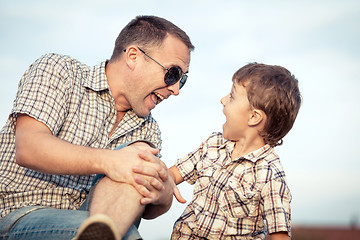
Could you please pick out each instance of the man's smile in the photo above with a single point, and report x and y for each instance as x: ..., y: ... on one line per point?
x: 159, y: 97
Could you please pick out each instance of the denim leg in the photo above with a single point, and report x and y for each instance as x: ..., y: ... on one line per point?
x: 37, y: 222
x: 41, y: 223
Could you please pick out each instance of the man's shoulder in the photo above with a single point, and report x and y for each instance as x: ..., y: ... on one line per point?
x: 56, y: 57
x: 57, y: 60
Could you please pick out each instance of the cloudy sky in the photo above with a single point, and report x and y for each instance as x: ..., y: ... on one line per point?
x: 318, y: 41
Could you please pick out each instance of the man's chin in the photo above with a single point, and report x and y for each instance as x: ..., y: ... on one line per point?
x: 143, y: 113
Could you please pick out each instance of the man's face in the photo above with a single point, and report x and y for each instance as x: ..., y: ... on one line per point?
x: 148, y: 87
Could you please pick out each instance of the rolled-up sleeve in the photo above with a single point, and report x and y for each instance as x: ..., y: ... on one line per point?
x: 276, y: 202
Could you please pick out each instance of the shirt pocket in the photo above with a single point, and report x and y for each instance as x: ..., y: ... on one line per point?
x: 204, y: 181
x: 239, y: 201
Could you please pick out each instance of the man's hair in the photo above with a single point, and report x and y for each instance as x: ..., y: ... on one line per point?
x: 274, y: 90
x: 148, y: 31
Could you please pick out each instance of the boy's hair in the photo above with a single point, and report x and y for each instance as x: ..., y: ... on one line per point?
x: 274, y: 90
x: 148, y: 31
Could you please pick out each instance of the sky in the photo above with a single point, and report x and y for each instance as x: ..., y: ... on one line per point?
x: 318, y: 41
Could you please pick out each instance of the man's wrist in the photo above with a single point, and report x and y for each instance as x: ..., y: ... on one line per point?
x: 139, y: 141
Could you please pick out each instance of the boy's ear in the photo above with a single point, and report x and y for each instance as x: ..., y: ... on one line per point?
x: 257, y: 117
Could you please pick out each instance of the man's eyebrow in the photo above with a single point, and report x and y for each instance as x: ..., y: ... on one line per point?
x: 174, y: 65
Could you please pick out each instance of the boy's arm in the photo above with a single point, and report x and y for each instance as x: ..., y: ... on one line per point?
x: 154, y: 209
x: 279, y: 236
x: 175, y: 174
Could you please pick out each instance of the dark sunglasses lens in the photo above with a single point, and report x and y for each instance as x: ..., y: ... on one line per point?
x: 172, y: 76
x: 183, y: 81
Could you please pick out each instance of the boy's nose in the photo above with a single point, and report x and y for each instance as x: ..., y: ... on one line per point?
x: 222, y: 100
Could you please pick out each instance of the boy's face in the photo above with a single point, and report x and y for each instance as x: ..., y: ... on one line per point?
x: 237, y: 112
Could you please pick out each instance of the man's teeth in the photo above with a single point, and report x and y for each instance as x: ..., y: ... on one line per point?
x: 159, y: 96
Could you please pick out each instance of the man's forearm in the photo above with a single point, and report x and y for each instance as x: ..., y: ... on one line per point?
x: 38, y: 149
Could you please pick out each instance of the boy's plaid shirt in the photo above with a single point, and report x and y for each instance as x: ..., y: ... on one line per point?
x: 233, y: 198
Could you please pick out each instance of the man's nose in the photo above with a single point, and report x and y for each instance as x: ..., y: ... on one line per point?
x: 175, y: 88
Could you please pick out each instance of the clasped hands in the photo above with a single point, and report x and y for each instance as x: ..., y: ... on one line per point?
x: 155, y: 181
x: 146, y: 173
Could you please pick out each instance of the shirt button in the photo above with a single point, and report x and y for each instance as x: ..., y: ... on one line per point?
x: 207, y: 213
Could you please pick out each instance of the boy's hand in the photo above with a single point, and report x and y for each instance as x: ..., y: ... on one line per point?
x: 146, y: 183
x: 279, y: 236
x: 178, y: 196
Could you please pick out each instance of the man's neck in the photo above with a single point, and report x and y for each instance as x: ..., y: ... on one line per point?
x: 119, y: 117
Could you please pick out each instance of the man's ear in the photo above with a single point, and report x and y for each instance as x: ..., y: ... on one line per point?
x: 257, y: 117
x: 131, y: 56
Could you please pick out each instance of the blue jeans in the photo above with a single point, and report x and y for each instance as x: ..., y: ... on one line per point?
x: 39, y: 222
x: 36, y: 222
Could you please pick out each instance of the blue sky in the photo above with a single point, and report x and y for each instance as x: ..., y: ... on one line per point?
x: 318, y: 41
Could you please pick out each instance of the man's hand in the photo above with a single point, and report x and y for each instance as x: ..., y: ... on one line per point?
x: 170, y: 188
x: 138, y: 155
x: 160, y: 200
x: 174, y: 176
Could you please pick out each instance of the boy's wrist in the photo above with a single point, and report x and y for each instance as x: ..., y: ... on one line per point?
x: 171, y: 174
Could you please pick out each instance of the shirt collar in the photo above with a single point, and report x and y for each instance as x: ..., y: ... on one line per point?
x: 259, y: 153
x: 97, y: 80
x: 254, y: 155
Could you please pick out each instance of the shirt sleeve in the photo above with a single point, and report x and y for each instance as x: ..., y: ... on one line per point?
x: 42, y: 92
x: 277, y: 197
x: 187, y: 165
x: 155, y: 136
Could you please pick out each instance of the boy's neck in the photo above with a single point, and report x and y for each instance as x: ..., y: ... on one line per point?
x: 246, y: 146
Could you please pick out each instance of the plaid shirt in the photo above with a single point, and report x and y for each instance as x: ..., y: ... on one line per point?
x: 74, y: 101
x: 232, y: 199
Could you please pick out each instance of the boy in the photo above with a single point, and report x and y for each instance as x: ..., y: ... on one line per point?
x: 239, y: 181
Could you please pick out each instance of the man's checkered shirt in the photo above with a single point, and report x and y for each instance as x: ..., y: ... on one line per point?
x: 74, y: 101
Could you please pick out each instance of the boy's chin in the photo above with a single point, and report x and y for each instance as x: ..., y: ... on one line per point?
x: 226, y: 136
x: 225, y: 131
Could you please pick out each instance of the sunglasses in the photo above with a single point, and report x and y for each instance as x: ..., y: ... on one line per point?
x: 172, y: 75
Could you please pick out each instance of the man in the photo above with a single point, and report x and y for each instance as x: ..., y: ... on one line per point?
x: 66, y: 120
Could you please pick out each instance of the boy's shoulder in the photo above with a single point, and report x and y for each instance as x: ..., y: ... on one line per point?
x: 215, y: 139
x: 271, y: 161
x: 265, y: 162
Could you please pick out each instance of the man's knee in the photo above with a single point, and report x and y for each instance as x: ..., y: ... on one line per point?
x: 108, y: 192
